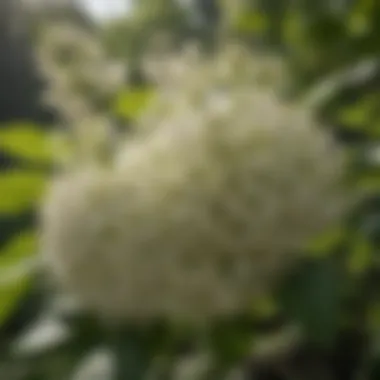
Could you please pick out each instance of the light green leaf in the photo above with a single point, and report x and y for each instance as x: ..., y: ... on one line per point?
x: 359, y: 115
x: 355, y: 117
x: 20, y: 190
x: 322, y: 245
x: 130, y: 104
x: 10, y: 295
x: 294, y: 28
x: 360, y: 258
x: 26, y: 141
x: 252, y: 22
x: 265, y: 307
x: 359, y: 21
x: 18, y: 249
x: 369, y: 183
x: 16, y: 263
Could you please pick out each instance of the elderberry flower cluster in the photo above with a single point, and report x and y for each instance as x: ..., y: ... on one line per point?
x: 207, y: 206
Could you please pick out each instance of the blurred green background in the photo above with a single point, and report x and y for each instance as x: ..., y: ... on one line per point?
x: 334, y: 295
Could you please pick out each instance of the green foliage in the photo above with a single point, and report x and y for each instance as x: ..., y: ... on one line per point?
x: 131, y: 103
x: 362, y: 116
x: 132, y: 356
x: 252, y: 22
x: 313, y: 298
x: 15, y: 266
x: 229, y: 341
x: 361, y: 255
x: 20, y: 190
x: 26, y: 141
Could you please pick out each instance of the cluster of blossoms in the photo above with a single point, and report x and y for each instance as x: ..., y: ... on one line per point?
x: 207, y: 206
x: 81, y: 81
x: 78, y: 68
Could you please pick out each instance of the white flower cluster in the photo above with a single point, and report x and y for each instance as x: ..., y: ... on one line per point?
x: 81, y: 78
x: 79, y: 70
x: 205, y: 208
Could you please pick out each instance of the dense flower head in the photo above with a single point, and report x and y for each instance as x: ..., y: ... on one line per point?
x: 206, y: 207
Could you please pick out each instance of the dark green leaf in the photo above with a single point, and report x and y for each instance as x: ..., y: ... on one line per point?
x: 312, y: 297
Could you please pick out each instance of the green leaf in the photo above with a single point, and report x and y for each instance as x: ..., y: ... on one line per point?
x: 294, y: 28
x: 230, y: 341
x: 26, y: 141
x: 369, y: 183
x: 354, y: 117
x: 264, y: 308
x: 360, y: 257
x: 358, y: 25
x: 312, y: 298
x: 20, y: 190
x: 252, y: 22
x: 19, y: 248
x: 15, y: 264
x: 323, y: 245
x: 359, y: 115
x: 132, y: 356
x: 374, y: 317
x: 130, y: 104
x: 359, y: 22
